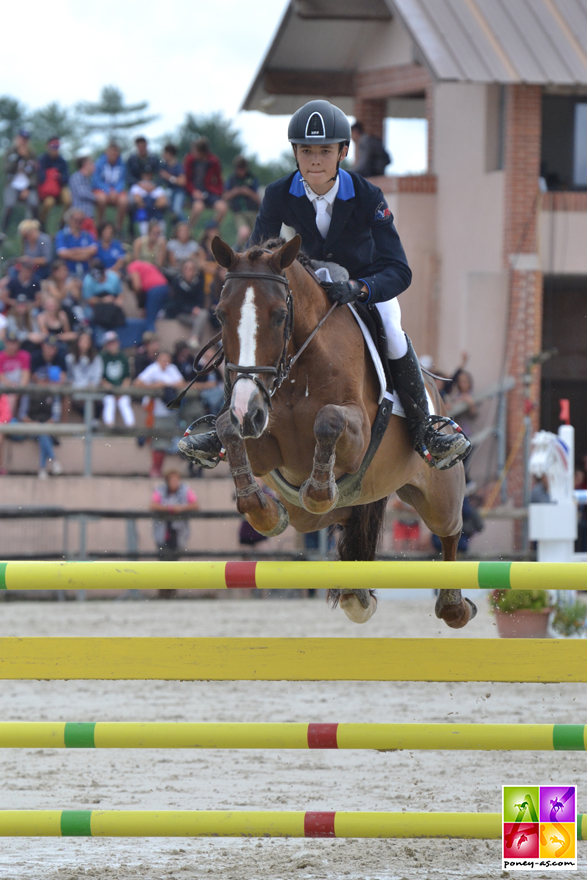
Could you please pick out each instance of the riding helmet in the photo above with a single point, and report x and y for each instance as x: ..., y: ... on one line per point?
x: 319, y: 122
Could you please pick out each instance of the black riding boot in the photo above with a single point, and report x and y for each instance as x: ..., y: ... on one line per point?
x: 203, y: 449
x: 438, y: 450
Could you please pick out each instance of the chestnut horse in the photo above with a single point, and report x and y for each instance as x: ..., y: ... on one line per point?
x: 311, y: 420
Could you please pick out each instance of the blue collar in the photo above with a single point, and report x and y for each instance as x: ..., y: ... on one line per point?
x: 346, y: 187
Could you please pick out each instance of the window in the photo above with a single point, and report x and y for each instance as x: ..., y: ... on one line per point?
x: 564, y: 141
x: 580, y: 145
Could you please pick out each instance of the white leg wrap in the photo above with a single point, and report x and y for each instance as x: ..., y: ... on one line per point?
x: 391, y: 315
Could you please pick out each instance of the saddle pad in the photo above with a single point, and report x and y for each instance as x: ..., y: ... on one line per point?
x: 398, y: 409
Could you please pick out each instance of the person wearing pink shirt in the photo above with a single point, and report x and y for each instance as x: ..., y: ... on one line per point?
x: 151, y: 288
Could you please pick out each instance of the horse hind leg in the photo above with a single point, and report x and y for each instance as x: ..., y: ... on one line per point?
x: 359, y: 541
x: 450, y: 605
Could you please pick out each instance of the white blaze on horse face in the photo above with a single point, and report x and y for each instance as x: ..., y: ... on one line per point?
x: 247, y: 337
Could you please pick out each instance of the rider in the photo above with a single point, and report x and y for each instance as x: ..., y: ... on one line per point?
x: 343, y: 218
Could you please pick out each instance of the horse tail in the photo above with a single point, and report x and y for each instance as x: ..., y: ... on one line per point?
x: 360, y: 541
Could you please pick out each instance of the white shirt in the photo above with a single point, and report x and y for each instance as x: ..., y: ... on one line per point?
x: 153, y: 375
x: 323, y: 205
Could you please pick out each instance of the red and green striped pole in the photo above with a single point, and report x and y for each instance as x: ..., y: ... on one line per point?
x: 292, y: 575
x: 276, y: 735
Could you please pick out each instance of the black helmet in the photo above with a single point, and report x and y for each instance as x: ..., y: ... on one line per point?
x: 318, y: 122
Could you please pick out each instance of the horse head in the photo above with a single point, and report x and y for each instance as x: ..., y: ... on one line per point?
x: 256, y: 314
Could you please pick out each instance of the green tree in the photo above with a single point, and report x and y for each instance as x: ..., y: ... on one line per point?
x: 111, y: 116
x: 12, y: 117
x: 267, y: 172
x: 55, y: 121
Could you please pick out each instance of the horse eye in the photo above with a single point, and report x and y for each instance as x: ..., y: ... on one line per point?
x: 279, y: 318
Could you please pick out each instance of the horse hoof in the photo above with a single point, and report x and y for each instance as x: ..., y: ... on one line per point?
x: 456, y: 616
x: 359, y: 605
x: 314, y: 506
x: 282, y: 521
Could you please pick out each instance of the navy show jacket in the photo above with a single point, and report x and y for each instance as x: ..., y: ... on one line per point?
x: 362, y: 236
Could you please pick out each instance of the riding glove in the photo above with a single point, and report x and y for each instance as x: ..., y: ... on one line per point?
x: 344, y: 292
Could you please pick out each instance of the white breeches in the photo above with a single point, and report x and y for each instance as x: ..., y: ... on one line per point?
x: 391, y: 315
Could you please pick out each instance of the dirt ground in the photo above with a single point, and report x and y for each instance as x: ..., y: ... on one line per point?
x: 280, y: 780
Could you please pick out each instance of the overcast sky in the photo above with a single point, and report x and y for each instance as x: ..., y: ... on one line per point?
x: 181, y: 55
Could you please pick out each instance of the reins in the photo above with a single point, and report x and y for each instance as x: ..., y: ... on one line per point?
x: 280, y: 370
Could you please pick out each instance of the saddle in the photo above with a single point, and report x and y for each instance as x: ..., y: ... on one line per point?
x: 327, y: 273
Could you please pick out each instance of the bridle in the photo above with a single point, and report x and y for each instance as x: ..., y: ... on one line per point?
x: 282, y: 367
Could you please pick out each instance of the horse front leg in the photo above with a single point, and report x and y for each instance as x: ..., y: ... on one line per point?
x: 267, y: 515
x: 339, y: 432
x: 451, y: 607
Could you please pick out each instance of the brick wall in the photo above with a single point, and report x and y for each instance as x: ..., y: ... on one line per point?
x: 371, y: 112
x: 522, y: 168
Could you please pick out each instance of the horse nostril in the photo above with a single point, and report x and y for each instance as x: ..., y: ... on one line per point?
x: 254, y: 421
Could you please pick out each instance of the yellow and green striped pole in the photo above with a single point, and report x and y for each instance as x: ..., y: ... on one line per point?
x: 292, y: 575
x: 275, y: 735
x: 219, y: 823
x: 289, y: 659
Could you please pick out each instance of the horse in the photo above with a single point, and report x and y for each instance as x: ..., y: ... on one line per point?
x: 303, y: 398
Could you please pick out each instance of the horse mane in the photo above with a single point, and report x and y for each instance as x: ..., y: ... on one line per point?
x: 271, y: 244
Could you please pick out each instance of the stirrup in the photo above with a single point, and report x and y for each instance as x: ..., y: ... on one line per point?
x: 434, y: 424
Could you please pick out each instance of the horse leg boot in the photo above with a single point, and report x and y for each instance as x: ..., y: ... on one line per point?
x: 319, y: 493
x: 267, y: 515
x: 450, y: 605
x: 438, y: 450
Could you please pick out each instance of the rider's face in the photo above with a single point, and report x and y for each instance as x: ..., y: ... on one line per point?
x: 318, y: 164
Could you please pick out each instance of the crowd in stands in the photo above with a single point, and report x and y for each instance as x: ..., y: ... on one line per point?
x: 80, y: 307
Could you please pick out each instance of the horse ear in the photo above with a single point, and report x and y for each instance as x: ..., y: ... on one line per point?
x: 224, y: 254
x: 287, y: 253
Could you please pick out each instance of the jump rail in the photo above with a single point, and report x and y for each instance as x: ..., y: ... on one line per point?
x: 290, y: 659
x: 268, y: 735
x: 292, y: 575
x: 220, y: 823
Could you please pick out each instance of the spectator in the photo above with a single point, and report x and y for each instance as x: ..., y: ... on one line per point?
x: 213, y: 274
x: 204, y: 181
x: 147, y: 352
x: 5, y: 416
x: 241, y: 194
x: 148, y: 200
x: 49, y: 355
x: 44, y: 408
x: 102, y: 298
x: 371, y: 157
x: 138, y: 161
x: 23, y: 283
x: 67, y: 290
x: 162, y: 374
x: 183, y: 358
x: 182, y: 247
x: 37, y: 248
x: 74, y: 245
x: 109, y: 184
x: 150, y: 248
x: 172, y: 174
x: 15, y: 367
x: 84, y: 365
x: 20, y: 174
x: 171, y: 535
x: 80, y: 184
x: 111, y: 252
x: 186, y: 298
x: 21, y: 323
x: 53, y: 320
x: 151, y: 288
x: 116, y: 374
x: 53, y: 179
x: 460, y: 391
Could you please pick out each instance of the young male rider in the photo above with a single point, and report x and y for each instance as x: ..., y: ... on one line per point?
x: 343, y: 218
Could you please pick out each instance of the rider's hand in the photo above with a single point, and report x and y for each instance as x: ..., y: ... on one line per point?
x: 343, y: 292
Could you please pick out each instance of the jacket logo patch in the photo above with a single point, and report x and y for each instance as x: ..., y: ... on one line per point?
x: 382, y: 212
